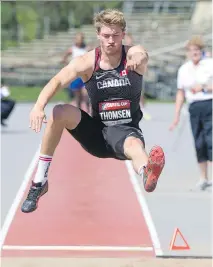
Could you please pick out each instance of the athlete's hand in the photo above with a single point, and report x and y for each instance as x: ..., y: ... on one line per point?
x: 136, y: 60
x: 37, y: 116
x: 174, y: 123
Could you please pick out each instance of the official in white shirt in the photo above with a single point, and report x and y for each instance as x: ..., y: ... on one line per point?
x: 194, y: 82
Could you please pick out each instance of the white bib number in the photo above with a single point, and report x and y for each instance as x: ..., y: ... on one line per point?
x: 115, y: 112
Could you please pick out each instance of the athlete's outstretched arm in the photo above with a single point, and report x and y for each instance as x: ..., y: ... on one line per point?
x: 77, y: 68
x: 137, y: 59
x: 73, y: 70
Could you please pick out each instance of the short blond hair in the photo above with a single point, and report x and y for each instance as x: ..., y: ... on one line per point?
x: 109, y: 17
x: 197, y: 41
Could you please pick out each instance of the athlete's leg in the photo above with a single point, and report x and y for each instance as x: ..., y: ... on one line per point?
x: 134, y: 149
x: 127, y: 142
x: 149, y: 166
x: 63, y: 116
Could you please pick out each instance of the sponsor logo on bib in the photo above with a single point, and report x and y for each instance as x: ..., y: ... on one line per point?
x: 115, y: 112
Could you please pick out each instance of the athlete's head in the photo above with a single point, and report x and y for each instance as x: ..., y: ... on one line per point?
x: 79, y: 39
x: 110, y: 26
x: 194, y: 49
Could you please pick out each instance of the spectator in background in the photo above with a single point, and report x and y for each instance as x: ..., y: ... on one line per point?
x: 7, y: 104
x: 194, y: 83
x: 77, y: 88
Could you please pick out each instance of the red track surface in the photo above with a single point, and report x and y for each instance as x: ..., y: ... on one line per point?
x: 91, y: 202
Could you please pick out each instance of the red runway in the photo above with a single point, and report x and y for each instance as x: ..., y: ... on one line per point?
x: 91, y: 209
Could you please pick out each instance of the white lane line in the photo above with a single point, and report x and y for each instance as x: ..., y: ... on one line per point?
x: 80, y: 248
x: 144, y: 209
x: 11, y: 213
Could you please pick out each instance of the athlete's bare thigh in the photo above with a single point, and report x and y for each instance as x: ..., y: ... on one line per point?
x: 67, y: 114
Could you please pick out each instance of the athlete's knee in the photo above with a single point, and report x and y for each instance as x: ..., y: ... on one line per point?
x: 131, y: 144
x: 59, y: 113
x: 65, y: 113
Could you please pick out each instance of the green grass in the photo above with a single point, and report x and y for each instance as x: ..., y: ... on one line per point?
x: 30, y: 94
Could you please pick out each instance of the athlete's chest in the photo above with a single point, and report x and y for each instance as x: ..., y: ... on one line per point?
x: 113, y: 84
x: 113, y: 79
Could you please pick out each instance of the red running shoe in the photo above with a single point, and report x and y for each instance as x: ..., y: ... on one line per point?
x: 152, y: 171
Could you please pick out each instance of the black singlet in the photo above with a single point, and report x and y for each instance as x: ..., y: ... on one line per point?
x: 115, y: 94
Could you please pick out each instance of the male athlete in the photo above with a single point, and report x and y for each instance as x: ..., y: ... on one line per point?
x: 112, y: 74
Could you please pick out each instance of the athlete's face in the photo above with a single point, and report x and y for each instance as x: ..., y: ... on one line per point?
x: 194, y: 53
x: 111, y: 39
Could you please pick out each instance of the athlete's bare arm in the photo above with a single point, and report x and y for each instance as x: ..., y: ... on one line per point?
x: 79, y: 67
x: 137, y: 59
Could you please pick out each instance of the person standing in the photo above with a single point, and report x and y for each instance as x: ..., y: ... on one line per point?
x: 76, y: 88
x: 194, y: 82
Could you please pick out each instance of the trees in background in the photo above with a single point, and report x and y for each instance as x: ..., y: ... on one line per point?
x: 23, y: 21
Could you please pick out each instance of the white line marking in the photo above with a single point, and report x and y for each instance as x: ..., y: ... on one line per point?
x: 141, y: 199
x: 18, y: 198
x: 79, y: 248
x: 144, y: 209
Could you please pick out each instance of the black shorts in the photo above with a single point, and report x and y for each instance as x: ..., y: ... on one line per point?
x: 201, y: 125
x: 103, y: 141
